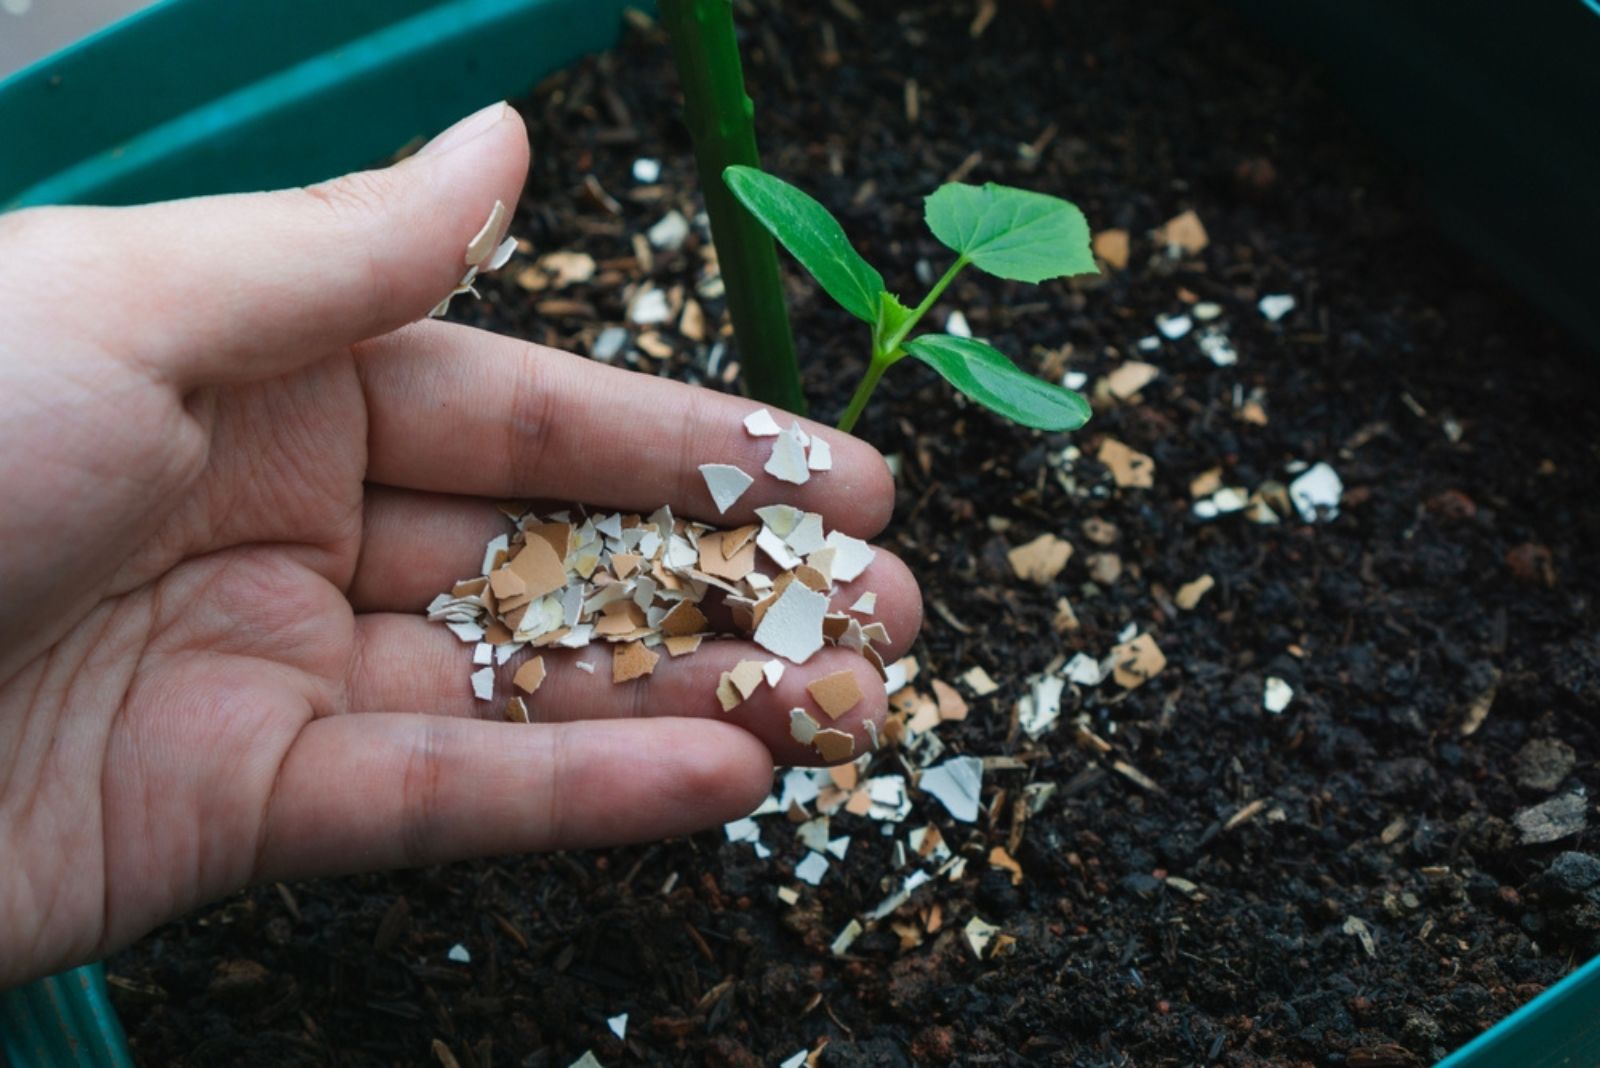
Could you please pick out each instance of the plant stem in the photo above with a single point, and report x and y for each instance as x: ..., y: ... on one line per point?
x: 720, y: 119
x: 893, y: 342
x: 869, y: 382
x: 887, y: 353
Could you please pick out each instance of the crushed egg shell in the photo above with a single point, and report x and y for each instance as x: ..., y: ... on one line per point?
x: 1136, y: 662
x: 1316, y: 493
x: 746, y: 676
x: 1084, y: 670
x: 683, y: 620
x: 956, y: 784
x: 979, y: 934
x: 1129, y: 468
x: 951, y: 705
x: 776, y: 551
x: 562, y: 268
x: 540, y: 569
x: 1189, y: 594
x: 898, y: 674
x: 670, y: 231
x: 1276, y: 695
x: 744, y: 829
x: 819, y: 457
x: 1040, y: 560
x: 836, y: 694
x: 852, y: 556
x: 834, y: 745
x: 1185, y: 232
x: 530, y: 676
x: 682, y: 645
x: 999, y: 858
x: 1274, y: 306
x: 1040, y: 709
x: 501, y: 255
x: 726, y: 483
x: 649, y: 307
x: 788, y: 460
x: 781, y: 519
x: 1173, y: 327
x: 1130, y: 378
x: 802, y: 728
x: 846, y: 938
x: 807, y: 536
x: 1206, y: 483
x: 812, y: 868
x: 1214, y: 343
x: 632, y: 661
x: 484, y: 242
x: 760, y: 424
x: 979, y: 682
x: 1112, y: 246
x: 792, y: 627
x: 634, y: 582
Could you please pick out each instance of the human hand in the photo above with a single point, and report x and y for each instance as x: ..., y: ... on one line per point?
x: 233, y: 476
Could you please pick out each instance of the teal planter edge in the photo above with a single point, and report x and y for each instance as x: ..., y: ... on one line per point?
x: 309, y: 96
x: 1558, y: 1029
x: 65, y: 1020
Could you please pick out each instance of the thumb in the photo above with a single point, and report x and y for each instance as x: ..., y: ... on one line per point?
x: 229, y: 288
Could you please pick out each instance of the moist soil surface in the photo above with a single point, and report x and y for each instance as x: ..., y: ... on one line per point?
x: 1343, y: 882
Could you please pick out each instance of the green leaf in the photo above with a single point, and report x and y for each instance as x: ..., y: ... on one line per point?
x: 1012, y: 233
x: 812, y: 236
x: 984, y: 374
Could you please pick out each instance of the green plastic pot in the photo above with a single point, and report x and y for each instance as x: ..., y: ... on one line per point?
x: 1558, y: 1029
x: 230, y: 95
x: 65, y: 1020
x: 1493, y: 105
x: 211, y: 96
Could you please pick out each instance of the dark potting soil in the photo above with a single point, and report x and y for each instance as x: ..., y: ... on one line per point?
x: 1378, y: 906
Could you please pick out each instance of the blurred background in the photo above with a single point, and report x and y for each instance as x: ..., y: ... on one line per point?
x: 30, y: 29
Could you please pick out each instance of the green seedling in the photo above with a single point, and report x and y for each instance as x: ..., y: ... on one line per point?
x: 1009, y: 233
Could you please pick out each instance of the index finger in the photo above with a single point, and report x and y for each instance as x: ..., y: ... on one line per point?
x: 455, y: 410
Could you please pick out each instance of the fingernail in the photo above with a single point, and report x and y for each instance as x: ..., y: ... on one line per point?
x: 465, y: 130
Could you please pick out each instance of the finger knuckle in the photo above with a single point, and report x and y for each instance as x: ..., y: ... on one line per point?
x: 529, y: 429
x: 353, y: 198
x: 421, y: 787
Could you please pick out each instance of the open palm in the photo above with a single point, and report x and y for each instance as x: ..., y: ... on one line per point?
x: 232, y: 476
